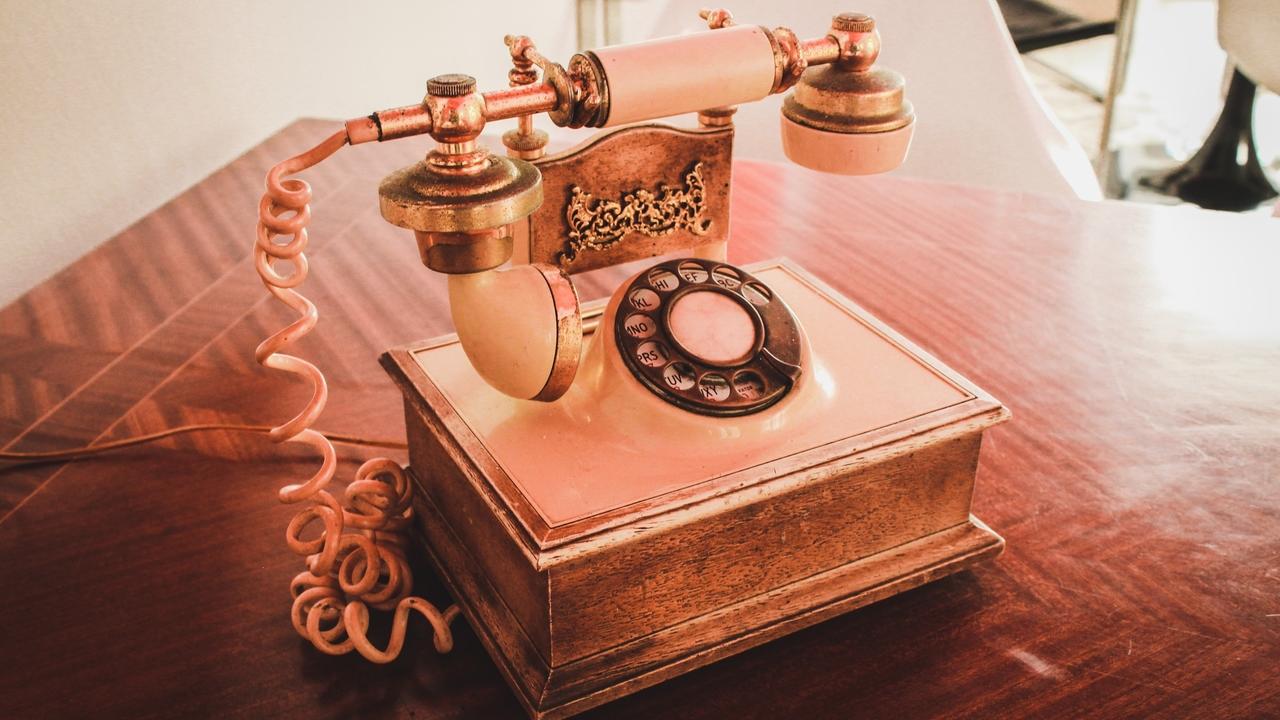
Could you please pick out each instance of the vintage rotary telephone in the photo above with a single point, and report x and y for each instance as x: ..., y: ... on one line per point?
x: 686, y: 348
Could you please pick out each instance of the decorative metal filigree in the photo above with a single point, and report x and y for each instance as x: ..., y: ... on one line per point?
x: 598, y: 225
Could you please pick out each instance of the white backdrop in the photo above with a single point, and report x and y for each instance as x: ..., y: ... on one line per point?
x: 107, y: 110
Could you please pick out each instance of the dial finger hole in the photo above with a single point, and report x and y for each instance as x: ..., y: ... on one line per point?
x: 644, y: 299
x: 639, y: 326
x: 726, y: 277
x: 714, y: 387
x: 678, y: 376
x: 756, y: 293
x: 652, y: 354
x: 693, y: 272
x: 748, y: 384
x: 663, y: 280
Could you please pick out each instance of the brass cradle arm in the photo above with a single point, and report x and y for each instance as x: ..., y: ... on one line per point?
x: 581, y: 96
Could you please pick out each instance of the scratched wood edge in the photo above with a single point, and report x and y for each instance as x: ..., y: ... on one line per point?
x: 560, y: 692
x: 850, y: 587
x: 504, y: 564
x: 518, y: 658
x: 839, y: 513
x: 550, y: 545
x: 480, y: 469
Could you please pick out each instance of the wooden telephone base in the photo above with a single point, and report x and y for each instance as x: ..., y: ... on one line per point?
x: 590, y: 571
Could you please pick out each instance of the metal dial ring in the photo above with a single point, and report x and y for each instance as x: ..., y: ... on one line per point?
x: 748, y: 381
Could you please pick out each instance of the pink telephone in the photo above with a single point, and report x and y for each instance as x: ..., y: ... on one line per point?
x: 566, y: 458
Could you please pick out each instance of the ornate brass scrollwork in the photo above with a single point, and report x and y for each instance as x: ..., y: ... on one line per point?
x: 598, y: 224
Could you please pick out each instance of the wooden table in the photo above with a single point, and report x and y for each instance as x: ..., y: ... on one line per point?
x: 1138, y: 484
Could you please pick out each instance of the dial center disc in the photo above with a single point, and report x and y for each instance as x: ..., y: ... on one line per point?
x: 712, y: 327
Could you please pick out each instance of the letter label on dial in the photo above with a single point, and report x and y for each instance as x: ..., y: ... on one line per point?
x: 679, y: 375
x: 664, y: 280
x: 644, y: 299
x: 639, y: 326
x: 726, y: 278
x: 748, y: 384
x: 713, y: 387
x: 652, y: 354
x: 693, y: 272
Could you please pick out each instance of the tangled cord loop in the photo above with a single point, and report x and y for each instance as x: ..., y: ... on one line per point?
x: 358, y: 560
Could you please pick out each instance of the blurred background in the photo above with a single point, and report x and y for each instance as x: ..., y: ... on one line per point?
x: 107, y: 110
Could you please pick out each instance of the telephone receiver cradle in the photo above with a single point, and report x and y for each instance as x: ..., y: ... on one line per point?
x: 511, y: 231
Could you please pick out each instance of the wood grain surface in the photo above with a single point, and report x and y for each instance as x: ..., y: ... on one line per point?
x: 1137, y: 484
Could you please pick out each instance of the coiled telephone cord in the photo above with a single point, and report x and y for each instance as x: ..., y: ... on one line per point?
x: 358, y: 561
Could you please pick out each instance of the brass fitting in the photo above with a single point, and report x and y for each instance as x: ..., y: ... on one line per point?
x: 457, y: 118
x: 850, y: 95
x: 464, y: 252
x: 716, y: 18
x: 525, y: 142
x: 858, y: 38
x: 461, y: 201
x: 789, y: 61
x: 457, y: 110
x: 716, y: 117
x: 587, y: 91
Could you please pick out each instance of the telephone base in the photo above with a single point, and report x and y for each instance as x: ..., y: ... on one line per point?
x: 591, y: 565
x: 700, y: 640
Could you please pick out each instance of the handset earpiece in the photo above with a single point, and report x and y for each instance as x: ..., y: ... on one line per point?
x: 849, y: 117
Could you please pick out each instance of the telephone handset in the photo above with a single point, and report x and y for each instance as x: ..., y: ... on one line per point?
x: 694, y: 336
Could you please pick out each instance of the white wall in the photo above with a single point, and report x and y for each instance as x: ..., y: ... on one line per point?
x: 108, y: 109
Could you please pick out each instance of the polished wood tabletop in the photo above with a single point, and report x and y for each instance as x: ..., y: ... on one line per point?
x: 1137, y: 485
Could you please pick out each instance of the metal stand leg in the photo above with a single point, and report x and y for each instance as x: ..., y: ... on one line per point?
x: 1217, y: 177
x: 1105, y: 166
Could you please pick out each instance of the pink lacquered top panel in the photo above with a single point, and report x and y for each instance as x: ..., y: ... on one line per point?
x: 571, y: 464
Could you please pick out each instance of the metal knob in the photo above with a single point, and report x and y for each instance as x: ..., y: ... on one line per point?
x: 451, y: 85
x: 853, y: 22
